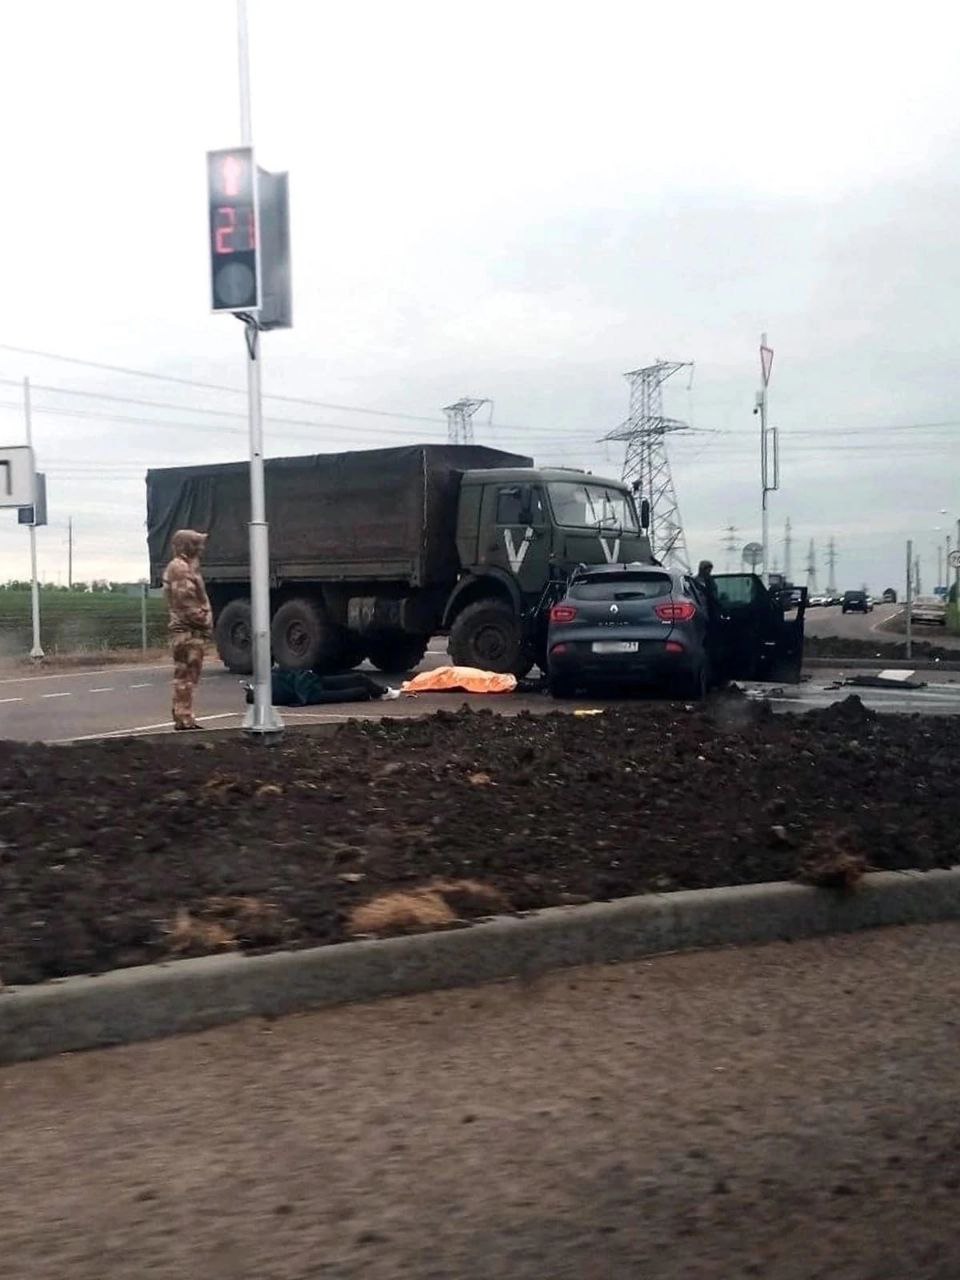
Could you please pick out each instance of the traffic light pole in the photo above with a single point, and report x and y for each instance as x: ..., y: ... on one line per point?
x: 261, y: 717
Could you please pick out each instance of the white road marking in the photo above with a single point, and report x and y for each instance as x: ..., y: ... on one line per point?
x: 140, y: 728
x: 2, y: 700
x: 80, y: 674
x: 108, y: 689
x: 148, y: 685
x: 56, y: 695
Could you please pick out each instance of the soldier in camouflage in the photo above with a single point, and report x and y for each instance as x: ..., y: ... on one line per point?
x: 191, y: 621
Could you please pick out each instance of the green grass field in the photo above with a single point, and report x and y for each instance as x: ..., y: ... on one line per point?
x: 74, y: 622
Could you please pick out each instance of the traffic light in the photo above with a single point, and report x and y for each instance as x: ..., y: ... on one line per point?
x: 234, y: 230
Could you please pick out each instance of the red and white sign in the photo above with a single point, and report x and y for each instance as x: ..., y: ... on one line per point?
x: 766, y: 359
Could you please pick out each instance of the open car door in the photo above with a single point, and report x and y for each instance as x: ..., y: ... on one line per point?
x: 759, y: 631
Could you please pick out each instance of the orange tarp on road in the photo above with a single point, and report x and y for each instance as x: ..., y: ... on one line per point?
x: 466, y: 679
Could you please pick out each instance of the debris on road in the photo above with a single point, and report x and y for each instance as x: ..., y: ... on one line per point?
x: 129, y: 851
x: 887, y: 679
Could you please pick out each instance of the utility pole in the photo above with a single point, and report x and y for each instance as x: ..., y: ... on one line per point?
x: 70, y: 553
x: 36, y: 651
x: 645, y: 461
x: 916, y: 577
x: 832, y: 567
x: 769, y: 453
x: 729, y: 546
x: 908, y: 612
x: 811, y: 569
x: 787, y: 550
x: 939, y: 565
x: 460, y: 419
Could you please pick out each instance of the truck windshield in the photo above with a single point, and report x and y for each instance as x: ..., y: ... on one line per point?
x: 591, y: 506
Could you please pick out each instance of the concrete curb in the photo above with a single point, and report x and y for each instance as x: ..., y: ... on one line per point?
x: 128, y: 1005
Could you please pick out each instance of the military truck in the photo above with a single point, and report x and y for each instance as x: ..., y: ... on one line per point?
x: 375, y: 551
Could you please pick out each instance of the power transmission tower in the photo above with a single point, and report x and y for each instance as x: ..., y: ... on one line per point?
x: 645, y: 432
x: 729, y: 546
x: 787, y: 550
x: 812, y: 569
x: 832, y: 567
x: 460, y: 419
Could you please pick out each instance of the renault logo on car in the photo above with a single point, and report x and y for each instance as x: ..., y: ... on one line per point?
x: 614, y: 608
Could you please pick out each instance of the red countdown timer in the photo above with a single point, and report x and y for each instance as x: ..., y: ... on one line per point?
x: 234, y: 238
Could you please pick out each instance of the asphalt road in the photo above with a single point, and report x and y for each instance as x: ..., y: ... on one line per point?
x: 869, y: 626
x: 134, y: 700
x: 785, y: 1112
x: 832, y: 621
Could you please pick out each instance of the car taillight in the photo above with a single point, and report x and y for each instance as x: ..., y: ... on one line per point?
x: 562, y: 613
x: 676, y: 611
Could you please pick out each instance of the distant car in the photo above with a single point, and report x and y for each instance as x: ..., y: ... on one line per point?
x: 817, y: 602
x: 930, y: 609
x: 837, y: 599
x: 638, y: 624
x: 856, y: 602
x: 889, y: 596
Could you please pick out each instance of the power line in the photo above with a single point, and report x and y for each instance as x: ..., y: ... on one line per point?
x: 241, y: 391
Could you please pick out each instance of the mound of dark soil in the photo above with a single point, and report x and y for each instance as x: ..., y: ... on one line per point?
x: 130, y: 851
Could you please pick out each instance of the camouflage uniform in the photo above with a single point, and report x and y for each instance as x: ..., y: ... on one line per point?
x: 191, y: 621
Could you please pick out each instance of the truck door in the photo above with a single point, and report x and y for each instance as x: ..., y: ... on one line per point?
x: 756, y: 639
x: 513, y: 534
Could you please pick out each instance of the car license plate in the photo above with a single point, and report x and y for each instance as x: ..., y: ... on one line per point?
x: 615, y: 646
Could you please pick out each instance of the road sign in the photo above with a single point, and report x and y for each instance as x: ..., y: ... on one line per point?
x: 36, y: 513
x: 753, y: 554
x: 955, y: 559
x: 234, y: 230
x: 17, y: 476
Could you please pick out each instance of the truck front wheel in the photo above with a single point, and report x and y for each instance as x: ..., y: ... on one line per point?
x: 303, y: 638
x: 488, y: 635
x: 395, y: 651
x: 234, y: 637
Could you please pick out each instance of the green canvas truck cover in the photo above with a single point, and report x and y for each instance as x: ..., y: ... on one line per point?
x: 387, y: 514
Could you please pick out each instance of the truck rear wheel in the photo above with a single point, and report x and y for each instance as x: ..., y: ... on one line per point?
x: 303, y: 638
x: 488, y: 635
x: 395, y: 650
x: 234, y: 637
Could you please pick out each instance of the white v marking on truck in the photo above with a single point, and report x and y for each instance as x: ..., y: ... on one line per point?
x: 516, y: 555
x: 612, y: 557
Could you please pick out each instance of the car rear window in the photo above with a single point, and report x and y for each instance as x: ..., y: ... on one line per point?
x: 621, y: 586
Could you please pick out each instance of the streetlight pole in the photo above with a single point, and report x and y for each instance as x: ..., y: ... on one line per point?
x: 36, y: 651
x: 261, y: 717
x: 769, y: 457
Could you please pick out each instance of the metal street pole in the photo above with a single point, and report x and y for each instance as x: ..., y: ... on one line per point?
x: 261, y: 717
x: 939, y: 565
x: 956, y: 580
x: 769, y: 479
x: 70, y: 553
x: 144, y: 588
x: 909, y: 602
x: 37, y: 650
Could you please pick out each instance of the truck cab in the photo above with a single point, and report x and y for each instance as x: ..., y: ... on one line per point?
x: 521, y: 531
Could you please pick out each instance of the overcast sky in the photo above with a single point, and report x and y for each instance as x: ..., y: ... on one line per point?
x: 519, y: 201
